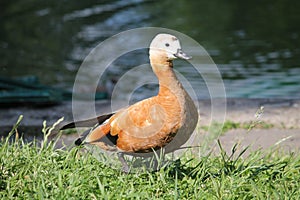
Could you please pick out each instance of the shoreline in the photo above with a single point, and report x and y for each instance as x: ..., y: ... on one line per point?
x: 282, y: 114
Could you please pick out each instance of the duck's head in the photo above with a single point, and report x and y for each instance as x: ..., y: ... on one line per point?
x: 167, y: 46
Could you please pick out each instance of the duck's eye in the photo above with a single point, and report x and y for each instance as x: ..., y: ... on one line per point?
x: 167, y: 44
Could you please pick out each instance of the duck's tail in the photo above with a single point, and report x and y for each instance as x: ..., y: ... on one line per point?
x: 82, y: 123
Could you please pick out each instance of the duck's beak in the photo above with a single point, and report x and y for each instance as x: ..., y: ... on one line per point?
x: 182, y: 55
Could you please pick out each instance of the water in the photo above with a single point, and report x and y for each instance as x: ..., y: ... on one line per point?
x: 256, y: 46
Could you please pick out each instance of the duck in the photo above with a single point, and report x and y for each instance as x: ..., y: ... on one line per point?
x: 165, y: 121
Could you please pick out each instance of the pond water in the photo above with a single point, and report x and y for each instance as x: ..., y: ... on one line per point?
x: 255, y: 44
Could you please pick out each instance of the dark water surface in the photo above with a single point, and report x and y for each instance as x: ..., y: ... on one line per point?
x: 255, y: 44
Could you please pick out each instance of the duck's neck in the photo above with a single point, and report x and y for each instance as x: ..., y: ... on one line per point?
x: 168, y: 81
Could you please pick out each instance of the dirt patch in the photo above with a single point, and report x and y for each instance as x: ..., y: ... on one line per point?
x: 281, y: 113
x: 287, y: 140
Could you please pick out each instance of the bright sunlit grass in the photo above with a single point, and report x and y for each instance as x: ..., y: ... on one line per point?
x: 39, y: 171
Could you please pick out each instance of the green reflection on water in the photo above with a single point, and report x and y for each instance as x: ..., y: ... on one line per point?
x: 252, y: 41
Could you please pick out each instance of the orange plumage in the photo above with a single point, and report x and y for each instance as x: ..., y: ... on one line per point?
x: 166, y: 120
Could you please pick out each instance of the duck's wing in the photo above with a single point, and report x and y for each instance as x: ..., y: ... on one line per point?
x: 145, y: 126
x: 142, y: 118
x: 87, y: 122
x: 138, y: 128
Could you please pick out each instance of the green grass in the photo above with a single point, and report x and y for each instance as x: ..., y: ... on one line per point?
x: 39, y: 171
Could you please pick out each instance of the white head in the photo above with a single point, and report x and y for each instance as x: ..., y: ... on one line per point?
x: 168, y: 45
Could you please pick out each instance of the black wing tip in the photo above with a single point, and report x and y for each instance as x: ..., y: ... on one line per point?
x: 67, y: 126
x: 78, y: 142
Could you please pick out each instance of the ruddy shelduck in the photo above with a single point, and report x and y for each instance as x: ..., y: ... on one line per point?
x: 166, y: 120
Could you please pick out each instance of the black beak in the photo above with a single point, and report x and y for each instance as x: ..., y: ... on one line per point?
x: 182, y: 55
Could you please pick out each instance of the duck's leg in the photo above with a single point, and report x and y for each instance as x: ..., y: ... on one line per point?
x: 158, y: 160
x: 155, y: 164
x: 125, y: 167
